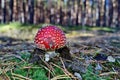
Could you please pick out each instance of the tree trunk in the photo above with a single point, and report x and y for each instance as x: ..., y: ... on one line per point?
x: 104, y: 11
x: 31, y: 11
x: 115, y: 14
x: 98, y: 13
x: 11, y: 10
x: 77, y: 11
x: 110, y: 12
x: 0, y: 12
x: 7, y: 16
x: 61, y: 15
x: 94, y: 13
x: 119, y: 13
x: 22, y: 15
x: 84, y: 13
x: 80, y: 12
x: 3, y: 4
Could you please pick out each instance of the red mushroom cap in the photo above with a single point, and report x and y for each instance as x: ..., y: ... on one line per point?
x: 50, y: 38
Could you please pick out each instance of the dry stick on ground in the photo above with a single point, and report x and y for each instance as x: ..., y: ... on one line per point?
x: 95, y: 61
x: 4, y: 73
x: 20, y: 76
x: 108, y: 73
x: 48, y: 66
x: 7, y: 64
x: 7, y: 56
x: 46, y: 63
x: 66, y: 71
x: 61, y: 76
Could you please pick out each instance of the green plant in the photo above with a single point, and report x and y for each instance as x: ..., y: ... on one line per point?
x: 90, y: 75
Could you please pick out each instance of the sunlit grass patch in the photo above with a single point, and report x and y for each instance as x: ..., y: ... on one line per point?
x: 6, y: 27
x: 18, y: 25
x: 79, y: 34
x: 106, y: 29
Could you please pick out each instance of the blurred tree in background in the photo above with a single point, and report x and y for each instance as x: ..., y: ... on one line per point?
x: 63, y: 12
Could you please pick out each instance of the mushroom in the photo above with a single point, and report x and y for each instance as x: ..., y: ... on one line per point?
x: 50, y: 38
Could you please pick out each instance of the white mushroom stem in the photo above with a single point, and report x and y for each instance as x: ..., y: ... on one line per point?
x: 50, y: 55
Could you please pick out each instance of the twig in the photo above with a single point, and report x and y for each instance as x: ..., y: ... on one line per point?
x: 7, y: 64
x: 63, y: 63
x: 94, y: 61
x: 66, y: 71
x: 60, y: 77
x: 12, y: 55
x: 50, y: 69
x: 4, y: 72
x: 30, y: 67
x: 108, y: 73
x: 20, y: 76
x: 17, y: 78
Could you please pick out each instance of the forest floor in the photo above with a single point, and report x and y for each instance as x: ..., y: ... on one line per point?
x: 100, y: 50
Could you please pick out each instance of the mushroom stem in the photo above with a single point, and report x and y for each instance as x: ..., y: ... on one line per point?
x: 49, y: 55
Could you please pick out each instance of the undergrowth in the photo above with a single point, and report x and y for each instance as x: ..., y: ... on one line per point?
x: 19, y: 68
